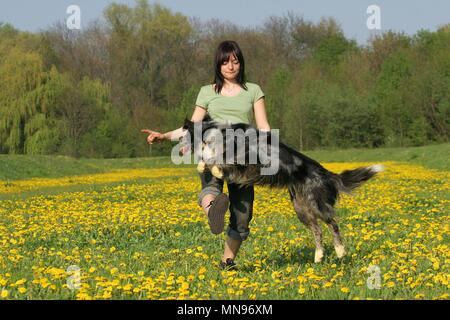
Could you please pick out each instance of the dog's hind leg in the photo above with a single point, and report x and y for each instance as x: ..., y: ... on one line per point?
x: 306, y: 215
x: 317, y: 232
x: 337, y: 240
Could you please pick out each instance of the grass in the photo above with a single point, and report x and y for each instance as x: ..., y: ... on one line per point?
x: 13, y: 167
x: 431, y: 156
x: 139, y: 234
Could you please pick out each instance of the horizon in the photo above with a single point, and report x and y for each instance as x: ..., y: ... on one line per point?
x: 403, y: 16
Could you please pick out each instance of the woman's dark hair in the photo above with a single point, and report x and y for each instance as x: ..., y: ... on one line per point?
x: 223, y: 53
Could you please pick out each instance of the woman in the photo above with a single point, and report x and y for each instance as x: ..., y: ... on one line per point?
x: 228, y: 99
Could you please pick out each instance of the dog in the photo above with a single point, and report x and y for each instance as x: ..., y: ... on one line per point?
x: 313, y: 189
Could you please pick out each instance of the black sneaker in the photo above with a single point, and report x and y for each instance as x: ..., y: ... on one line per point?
x: 228, y: 265
x: 216, y: 213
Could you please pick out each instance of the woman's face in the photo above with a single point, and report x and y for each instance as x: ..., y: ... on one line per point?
x: 230, y: 68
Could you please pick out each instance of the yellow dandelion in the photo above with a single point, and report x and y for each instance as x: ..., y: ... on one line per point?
x: 4, y: 293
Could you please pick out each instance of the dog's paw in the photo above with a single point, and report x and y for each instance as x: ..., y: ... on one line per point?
x: 340, y: 251
x: 201, y: 166
x: 318, y: 256
x: 216, y: 172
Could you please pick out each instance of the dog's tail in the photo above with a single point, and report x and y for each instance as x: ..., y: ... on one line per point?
x: 348, y: 180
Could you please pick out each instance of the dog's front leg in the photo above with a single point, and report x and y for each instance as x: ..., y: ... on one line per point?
x: 317, y: 232
x: 216, y: 172
x: 201, y: 166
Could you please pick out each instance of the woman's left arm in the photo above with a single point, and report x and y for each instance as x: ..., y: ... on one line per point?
x: 260, y: 115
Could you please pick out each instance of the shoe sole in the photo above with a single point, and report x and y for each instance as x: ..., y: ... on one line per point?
x: 216, y: 213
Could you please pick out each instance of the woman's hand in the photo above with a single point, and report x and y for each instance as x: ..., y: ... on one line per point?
x: 153, y: 135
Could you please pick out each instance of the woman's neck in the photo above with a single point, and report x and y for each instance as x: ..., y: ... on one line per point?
x: 229, y: 83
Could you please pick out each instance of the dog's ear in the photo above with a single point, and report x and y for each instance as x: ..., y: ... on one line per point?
x: 207, y: 118
x: 187, y: 123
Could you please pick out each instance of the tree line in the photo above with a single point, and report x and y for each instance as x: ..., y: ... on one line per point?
x: 87, y: 93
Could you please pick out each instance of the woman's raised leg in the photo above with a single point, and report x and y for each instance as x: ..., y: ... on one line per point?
x: 213, y: 201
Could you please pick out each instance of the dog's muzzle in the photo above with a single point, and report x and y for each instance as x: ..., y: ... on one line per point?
x: 184, y: 148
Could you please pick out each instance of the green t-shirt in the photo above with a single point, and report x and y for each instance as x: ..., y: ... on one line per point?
x: 235, y: 109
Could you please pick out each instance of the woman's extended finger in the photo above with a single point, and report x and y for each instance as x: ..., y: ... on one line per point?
x: 151, y: 137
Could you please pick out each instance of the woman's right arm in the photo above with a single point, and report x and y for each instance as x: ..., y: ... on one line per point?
x: 198, y: 115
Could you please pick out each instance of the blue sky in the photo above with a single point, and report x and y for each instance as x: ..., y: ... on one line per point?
x: 399, y: 15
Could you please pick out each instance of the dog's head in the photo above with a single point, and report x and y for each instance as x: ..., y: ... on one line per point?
x: 215, y: 145
x: 191, y: 126
x: 207, y: 132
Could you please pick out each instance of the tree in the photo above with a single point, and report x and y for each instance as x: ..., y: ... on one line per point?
x: 149, y: 52
x: 22, y: 76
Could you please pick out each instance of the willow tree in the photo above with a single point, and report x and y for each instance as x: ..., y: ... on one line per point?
x: 22, y: 76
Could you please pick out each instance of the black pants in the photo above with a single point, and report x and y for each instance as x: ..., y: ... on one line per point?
x: 241, y: 204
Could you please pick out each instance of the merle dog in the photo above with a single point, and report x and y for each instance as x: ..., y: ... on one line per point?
x: 313, y: 189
